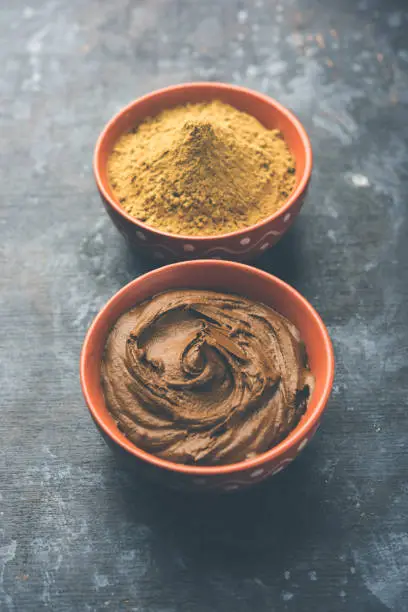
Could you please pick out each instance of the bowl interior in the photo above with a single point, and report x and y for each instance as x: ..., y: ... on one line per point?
x: 269, y: 112
x: 221, y: 276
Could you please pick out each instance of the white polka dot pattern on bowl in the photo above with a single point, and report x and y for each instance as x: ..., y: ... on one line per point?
x: 140, y: 235
x: 189, y: 248
x: 302, y: 444
x: 281, y: 466
x: 279, y: 469
x: 231, y: 487
x: 257, y: 472
x: 286, y: 218
x: 265, y: 242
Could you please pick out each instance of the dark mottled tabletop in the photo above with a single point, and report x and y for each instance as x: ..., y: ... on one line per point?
x: 77, y: 533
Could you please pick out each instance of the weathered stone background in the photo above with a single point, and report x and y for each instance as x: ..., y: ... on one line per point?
x: 76, y: 533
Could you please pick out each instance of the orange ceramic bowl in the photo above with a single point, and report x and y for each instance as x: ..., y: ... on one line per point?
x: 228, y: 277
x: 240, y: 245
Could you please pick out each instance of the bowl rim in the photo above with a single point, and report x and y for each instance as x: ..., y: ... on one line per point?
x: 216, y: 86
x: 295, y: 436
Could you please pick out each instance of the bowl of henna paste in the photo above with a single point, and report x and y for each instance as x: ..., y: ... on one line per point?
x: 203, y: 170
x: 207, y: 375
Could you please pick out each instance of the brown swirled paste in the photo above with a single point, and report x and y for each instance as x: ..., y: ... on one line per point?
x: 201, y: 377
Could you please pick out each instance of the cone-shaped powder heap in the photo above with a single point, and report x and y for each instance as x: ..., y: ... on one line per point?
x: 201, y: 169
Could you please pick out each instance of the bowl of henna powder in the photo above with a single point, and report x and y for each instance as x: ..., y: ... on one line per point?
x: 203, y: 170
x: 207, y: 375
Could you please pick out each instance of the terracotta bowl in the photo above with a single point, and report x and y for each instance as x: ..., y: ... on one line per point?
x: 240, y: 245
x: 229, y: 277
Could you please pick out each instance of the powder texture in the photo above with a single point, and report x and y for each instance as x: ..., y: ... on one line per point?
x: 201, y: 169
x: 202, y: 377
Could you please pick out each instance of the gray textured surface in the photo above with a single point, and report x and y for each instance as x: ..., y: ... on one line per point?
x: 76, y: 533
